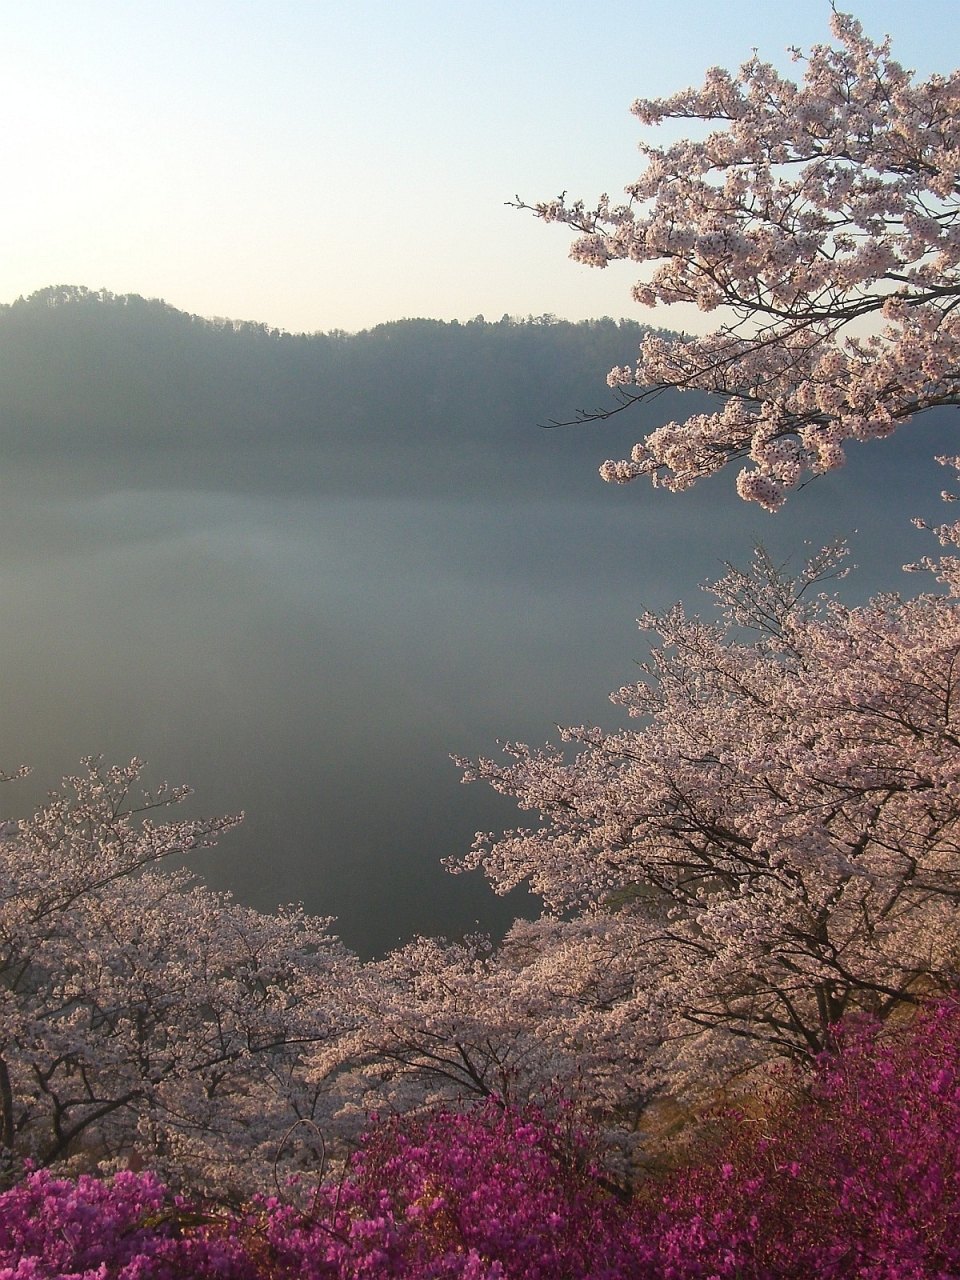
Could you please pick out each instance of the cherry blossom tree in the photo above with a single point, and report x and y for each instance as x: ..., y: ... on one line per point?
x: 823, y: 219
x: 440, y: 1022
x: 142, y: 1015
x: 778, y: 844
x: 774, y: 847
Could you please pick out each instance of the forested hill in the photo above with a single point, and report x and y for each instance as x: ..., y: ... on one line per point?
x: 92, y: 370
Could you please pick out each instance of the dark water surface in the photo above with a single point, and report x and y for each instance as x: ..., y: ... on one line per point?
x: 310, y: 648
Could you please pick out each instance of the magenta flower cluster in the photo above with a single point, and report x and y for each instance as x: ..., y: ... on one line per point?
x: 131, y: 1228
x: 861, y: 1178
x: 486, y: 1194
x: 854, y: 1173
x: 482, y: 1196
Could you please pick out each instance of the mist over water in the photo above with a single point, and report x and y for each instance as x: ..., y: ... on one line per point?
x: 298, y: 572
x: 313, y: 657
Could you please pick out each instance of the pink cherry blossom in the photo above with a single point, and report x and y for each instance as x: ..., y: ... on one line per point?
x: 809, y: 209
x: 143, y: 1016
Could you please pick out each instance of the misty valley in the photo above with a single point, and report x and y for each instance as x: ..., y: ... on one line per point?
x: 299, y: 572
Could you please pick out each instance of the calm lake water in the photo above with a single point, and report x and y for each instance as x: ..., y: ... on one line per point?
x: 312, y: 654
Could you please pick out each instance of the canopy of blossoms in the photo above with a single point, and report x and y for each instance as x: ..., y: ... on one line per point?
x: 824, y: 219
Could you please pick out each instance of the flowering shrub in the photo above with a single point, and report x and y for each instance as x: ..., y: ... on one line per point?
x: 862, y: 1179
x: 493, y: 1192
x: 854, y: 1177
x: 130, y: 1228
x: 480, y: 1196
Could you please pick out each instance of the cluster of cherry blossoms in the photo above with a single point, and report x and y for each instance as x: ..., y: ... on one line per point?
x: 812, y: 208
x: 774, y: 846
x: 142, y: 1016
x: 777, y: 845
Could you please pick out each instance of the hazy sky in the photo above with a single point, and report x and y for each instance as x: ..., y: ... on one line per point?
x: 328, y: 163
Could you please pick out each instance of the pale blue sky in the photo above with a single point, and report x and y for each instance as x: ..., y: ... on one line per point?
x: 319, y: 164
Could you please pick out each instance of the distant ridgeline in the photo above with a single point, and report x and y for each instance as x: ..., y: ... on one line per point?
x: 83, y: 369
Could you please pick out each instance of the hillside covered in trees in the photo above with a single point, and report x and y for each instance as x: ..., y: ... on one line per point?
x: 83, y: 370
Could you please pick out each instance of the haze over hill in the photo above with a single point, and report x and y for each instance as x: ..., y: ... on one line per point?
x: 299, y: 570
x: 84, y: 370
